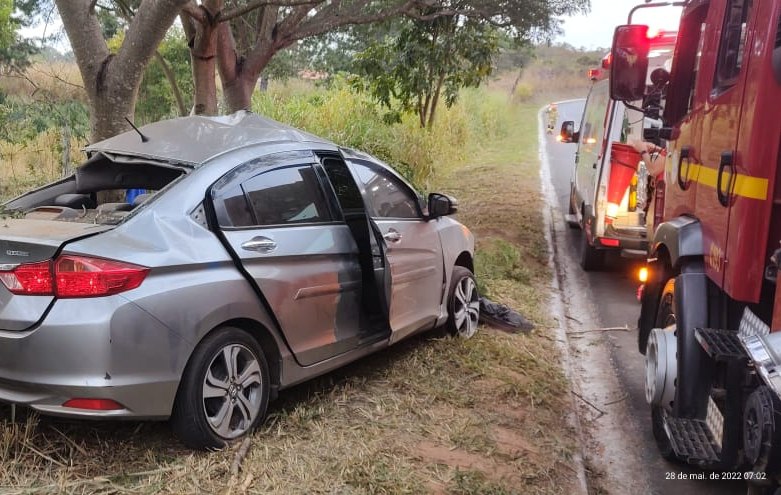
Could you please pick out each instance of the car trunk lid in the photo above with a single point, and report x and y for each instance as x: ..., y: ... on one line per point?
x: 25, y: 241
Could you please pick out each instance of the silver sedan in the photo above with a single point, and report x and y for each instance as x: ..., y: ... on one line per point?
x: 192, y: 269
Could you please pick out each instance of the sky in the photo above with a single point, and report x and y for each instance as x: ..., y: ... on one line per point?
x: 595, y: 29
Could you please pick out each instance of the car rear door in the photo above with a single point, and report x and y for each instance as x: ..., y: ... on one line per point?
x: 413, y: 248
x: 590, y: 142
x: 274, y: 216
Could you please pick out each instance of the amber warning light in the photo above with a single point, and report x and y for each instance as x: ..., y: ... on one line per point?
x: 642, y: 274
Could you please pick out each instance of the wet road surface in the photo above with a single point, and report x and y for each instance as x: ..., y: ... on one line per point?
x: 623, y: 453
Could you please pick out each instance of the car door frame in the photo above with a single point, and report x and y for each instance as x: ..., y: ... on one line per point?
x: 285, y: 159
x: 400, y: 332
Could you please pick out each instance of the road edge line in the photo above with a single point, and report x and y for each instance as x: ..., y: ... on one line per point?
x: 556, y: 302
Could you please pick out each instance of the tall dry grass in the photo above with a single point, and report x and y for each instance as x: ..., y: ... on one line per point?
x: 28, y: 164
x: 57, y: 81
x: 353, y: 120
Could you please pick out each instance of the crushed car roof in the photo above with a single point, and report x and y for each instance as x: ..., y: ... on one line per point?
x: 193, y: 140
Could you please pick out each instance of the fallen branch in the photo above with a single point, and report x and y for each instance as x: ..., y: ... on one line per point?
x: 623, y: 397
x: 601, y: 412
x: 240, y: 455
x: 625, y: 328
x: 571, y: 318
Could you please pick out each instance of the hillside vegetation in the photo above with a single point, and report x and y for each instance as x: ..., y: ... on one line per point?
x: 45, y: 119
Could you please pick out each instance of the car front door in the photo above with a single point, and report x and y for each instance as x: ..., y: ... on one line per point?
x: 413, y: 248
x: 275, y: 218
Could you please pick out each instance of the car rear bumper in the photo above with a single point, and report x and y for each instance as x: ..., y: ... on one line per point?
x: 621, y: 243
x: 103, y: 348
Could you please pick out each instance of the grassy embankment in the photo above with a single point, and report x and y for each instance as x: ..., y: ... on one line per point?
x: 434, y: 414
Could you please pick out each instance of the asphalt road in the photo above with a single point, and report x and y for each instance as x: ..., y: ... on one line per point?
x: 612, y: 295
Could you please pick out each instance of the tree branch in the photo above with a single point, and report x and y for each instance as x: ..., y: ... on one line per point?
x: 192, y: 10
x: 86, y: 40
x: 265, y: 43
x: 146, y: 31
x: 227, y: 58
x: 229, y: 14
x: 169, y: 74
x: 327, y: 20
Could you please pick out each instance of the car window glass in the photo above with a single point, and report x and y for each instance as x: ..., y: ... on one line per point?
x: 593, y: 127
x: 344, y: 185
x: 387, y: 196
x: 287, y: 196
x: 235, y: 211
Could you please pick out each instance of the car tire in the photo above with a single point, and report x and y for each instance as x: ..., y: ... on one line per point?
x: 591, y: 258
x: 665, y: 316
x: 224, y: 390
x: 463, y: 304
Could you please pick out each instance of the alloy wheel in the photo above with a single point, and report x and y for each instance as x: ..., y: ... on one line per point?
x: 466, y: 310
x: 232, y: 391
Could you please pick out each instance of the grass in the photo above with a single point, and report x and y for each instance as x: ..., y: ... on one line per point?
x: 430, y: 415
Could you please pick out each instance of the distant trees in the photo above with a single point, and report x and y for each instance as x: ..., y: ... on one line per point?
x: 425, y: 60
x: 238, y: 39
x: 15, y: 51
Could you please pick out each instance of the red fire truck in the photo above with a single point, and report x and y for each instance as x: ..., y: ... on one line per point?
x: 710, y: 323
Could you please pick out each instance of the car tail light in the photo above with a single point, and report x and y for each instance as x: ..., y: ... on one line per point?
x: 609, y: 242
x: 31, y: 279
x: 77, y: 276
x: 74, y: 276
x: 95, y: 404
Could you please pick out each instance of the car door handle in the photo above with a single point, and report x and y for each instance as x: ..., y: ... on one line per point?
x: 392, y: 235
x: 260, y: 244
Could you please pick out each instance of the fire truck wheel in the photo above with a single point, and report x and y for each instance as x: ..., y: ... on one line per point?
x: 665, y: 317
x: 591, y: 258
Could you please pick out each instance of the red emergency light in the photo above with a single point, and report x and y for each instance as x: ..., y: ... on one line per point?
x: 594, y: 74
x: 607, y: 60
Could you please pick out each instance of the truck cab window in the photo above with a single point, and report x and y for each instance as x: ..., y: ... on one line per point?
x: 732, y: 44
x: 681, y: 95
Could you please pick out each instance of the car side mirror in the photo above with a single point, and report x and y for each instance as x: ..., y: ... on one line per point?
x: 440, y: 205
x: 568, y: 134
x: 629, y: 62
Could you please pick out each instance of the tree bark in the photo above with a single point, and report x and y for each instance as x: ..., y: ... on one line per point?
x: 112, y: 81
x: 435, y: 100
x: 209, y: 31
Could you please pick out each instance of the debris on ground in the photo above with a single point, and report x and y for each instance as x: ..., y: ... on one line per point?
x: 503, y: 317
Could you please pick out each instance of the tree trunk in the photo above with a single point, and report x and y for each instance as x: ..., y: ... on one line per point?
x: 238, y: 93
x: 203, y: 56
x: 112, y: 81
x: 204, y: 79
x: 107, y: 118
x: 435, y: 100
